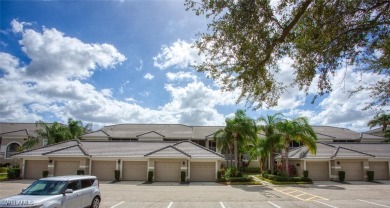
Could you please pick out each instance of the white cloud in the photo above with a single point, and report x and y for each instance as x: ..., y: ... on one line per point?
x: 180, y: 76
x: 55, y: 56
x: 17, y: 26
x: 180, y: 54
x: 149, y: 76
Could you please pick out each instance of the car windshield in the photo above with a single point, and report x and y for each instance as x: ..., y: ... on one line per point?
x: 43, y: 187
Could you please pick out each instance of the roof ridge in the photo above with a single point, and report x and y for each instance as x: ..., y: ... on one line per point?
x: 357, y: 151
x: 214, y: 152
x: 14, y: 131
x: 335, y: 152
x: 166, y: 147
x: 150, y: 132
x: 50, y: 145
x: 57, y: 150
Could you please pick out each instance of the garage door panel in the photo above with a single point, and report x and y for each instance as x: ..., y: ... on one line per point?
x: 202, y: 171
x: 381, y: 170
x: 353, y: 170
x: 318, y: 171
x: 66, y: 167
x: 104, y: 170
x: 167, y: 171
x: 134, y: 170
x: 34, y: 168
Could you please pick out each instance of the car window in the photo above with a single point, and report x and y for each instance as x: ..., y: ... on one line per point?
x: 42, y: 187
x: 86, y: 183
x: 74, y: 185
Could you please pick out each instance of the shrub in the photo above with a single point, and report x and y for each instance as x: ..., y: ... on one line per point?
x: 306, y: 174
x: 45, y: 173
x: 150, y: 176
x: 232, y: 172
x: 250, y: 170
x: 341, y: 176
x: 3, y: 170
x: 370, y: 175
x: 80, y: 172
x: 281, y: 170
x: 13, y: 173
x: 219, y: 174
x: 117, y: 175
x: 183, y: 176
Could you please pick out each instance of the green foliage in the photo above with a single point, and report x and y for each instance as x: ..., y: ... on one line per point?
x: 45, y: 173
x: 80, y: 172
x: 219, y: 175
x: 117, y: 175
x: 285, y: 178
x: 13, y: 173
x: 370, y: 176
x: 247, y: 39
x: 3, y: 169
x: 306, y: 174
x: 381, y: 120
x: 232, y: 172
x: 341, y: 176
x: 239, y: 179
x: 250, y: 170
x: 150, y: 176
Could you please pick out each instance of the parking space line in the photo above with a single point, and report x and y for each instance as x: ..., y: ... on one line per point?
x: 324, y: 204
x: 298, y: 193
x: 118, y: 204
x: 223, y: 206
x: 381, y: 205
x: 169, y: 205
x: 273, y: 204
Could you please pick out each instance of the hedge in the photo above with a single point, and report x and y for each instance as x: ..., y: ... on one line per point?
x: 370, y: 176
x: 341, y: 176
x: 286, y: 179
x: 150, y: 176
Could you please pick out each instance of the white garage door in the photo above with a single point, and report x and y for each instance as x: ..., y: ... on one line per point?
x: 66, y: 167
x: 381, y: 170
x: 104, y: 170
x: 134, y: 170
x: 202, y: 171
x: 34, y: 168
x: 353, y: 170
x: 167, y: 171
x: 318, y: 171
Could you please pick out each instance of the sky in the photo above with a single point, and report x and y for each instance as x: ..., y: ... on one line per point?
x: 129, y: 61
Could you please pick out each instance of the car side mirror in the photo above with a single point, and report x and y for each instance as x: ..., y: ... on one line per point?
x: 68, y: 191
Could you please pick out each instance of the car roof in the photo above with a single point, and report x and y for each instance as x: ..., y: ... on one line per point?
x: 68, y: 177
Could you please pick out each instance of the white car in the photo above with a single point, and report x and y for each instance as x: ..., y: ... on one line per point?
x: 55, y: 192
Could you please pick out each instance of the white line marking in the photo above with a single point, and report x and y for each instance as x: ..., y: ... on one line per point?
x: 324, y: 204
x: 223, y: 206
x: 118, y: 204
x: 274, y: 204
x: 170, y: 204
x: 372, y: 203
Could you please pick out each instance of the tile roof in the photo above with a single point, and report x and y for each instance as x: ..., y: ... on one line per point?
x: 124, y: 149
x: 330, y: 133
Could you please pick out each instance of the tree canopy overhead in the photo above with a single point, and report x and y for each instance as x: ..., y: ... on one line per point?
x: 247, y: 38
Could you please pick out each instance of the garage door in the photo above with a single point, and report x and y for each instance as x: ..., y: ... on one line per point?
x: 167, y: 171
x: 34, y: 168
x: 134, y: 171
x: 318, y: 171
x: 353, y: 170
x: 104, y: 170
x: 202, y: 171
x: 381, y: 170
x: 66, y: 168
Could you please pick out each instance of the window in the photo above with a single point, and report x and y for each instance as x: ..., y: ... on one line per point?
x: 74, y: 185
x: 12, y: 149
x: 86, y: 183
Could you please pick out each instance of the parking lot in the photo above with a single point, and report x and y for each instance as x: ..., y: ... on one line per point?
x: 209, y: 195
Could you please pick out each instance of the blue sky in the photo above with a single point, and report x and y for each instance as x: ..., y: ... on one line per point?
x: 110, y: 62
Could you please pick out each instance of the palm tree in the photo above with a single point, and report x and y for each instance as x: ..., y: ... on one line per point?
x: 380, y: 120
x: 224, y: 143
x: 241, y: 128
x: 54, y: 133
x: 271, y: 142
x: 297, y: 130
x: 77, y: 129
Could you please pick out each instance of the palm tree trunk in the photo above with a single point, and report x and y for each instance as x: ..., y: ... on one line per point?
x: 287, y: 149
x: 235, y: 152
x: 271, y: 158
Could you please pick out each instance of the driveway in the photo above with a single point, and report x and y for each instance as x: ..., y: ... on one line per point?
x: 211, y: 195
